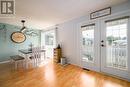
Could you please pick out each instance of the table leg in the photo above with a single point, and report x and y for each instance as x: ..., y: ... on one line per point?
x: 26, y: 61
x: 16, y: 65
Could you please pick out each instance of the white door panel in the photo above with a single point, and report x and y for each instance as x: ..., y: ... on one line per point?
x: 90, y: 46
x: 106, y: 45
x: 114, y: 53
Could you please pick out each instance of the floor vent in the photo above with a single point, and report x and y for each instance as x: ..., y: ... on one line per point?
x: 86, y: 69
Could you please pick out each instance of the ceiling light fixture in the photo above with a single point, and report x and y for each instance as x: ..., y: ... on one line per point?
x: 23, y: 28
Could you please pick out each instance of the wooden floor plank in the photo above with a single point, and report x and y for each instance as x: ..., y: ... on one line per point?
x: 55, y: 75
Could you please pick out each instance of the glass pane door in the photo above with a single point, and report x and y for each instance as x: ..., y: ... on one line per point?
x: 88, y: 43
x: 91, y: 46
x: 105, y: 47
x: 116, y: 44
x: 114, y: 49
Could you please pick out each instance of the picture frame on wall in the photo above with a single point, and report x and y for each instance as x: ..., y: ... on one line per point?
x: 100, y: 13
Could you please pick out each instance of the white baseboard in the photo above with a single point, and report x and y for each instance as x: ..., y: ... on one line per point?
x: 4, y: 61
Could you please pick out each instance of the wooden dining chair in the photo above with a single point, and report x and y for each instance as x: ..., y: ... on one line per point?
x: 17, y: 59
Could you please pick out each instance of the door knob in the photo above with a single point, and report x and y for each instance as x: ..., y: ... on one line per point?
x: 102, y: 41
x: 102, y: 45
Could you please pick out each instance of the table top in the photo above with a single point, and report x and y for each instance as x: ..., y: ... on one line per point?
x: 28, y: 51
x: 17, y: 57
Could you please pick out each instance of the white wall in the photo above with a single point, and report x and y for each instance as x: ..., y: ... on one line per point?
x: 69, y: 34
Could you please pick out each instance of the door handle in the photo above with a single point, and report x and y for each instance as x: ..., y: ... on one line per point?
x: 102, y: 41
x: 102, y: 45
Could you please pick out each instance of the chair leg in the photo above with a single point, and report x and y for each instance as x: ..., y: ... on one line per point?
x: 12, y: 63
x: 33, y: 61
x: 26, y: 64
x: 36, y: 62
x: 40, y: 61
x: 23, y: 63
x: 16, y: 65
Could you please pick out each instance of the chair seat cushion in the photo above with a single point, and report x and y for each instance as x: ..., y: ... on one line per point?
x: 17, y: 58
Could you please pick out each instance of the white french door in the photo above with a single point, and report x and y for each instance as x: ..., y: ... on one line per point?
x: 90, y: 46
x: 115, y: 47
x: 106, y: 48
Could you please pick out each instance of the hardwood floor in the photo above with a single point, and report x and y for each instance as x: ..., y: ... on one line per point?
x: 55, y: 75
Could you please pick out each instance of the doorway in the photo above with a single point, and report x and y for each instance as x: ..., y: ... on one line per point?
x: 48, y: 42
x: 105, y: 48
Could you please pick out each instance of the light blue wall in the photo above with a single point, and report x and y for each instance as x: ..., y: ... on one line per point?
x: 69, y: 33
x: 8, y: 48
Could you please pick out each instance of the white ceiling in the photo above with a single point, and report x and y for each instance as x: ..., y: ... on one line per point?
x: 45, y: 13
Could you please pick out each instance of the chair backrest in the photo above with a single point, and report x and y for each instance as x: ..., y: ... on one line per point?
x: 36, y: 52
